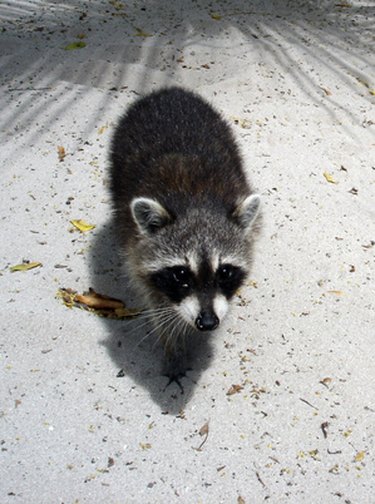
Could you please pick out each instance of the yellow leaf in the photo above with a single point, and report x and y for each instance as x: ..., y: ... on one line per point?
x: 372, y: 92
x: 242, y: 122
x: 75, y: 45
x: 25, y: 266
x: 145, y: 446
x: 117, y: 5
x: 329, y: 178
x: 82, y: 226
x: 314, y: 454
x: 141, y: 33
x: 216, y: 16
x: 360, y: 456
x: 102, y: 129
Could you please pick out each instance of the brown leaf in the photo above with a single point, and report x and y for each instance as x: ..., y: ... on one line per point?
x: 234, y: 389
x: 327, y: 92
x: 61, y: 152
x: 94, y: 300
x: 203, y: 431
x: 101, y: 305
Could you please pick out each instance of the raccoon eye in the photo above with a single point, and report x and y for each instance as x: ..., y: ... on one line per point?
x: 225, y: 272
x: 181, y: 276
x: 229, y: 279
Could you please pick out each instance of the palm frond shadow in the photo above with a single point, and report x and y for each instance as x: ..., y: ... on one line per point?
x: 35, y: 63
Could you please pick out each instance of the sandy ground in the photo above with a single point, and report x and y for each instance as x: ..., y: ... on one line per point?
x: 294, y: 79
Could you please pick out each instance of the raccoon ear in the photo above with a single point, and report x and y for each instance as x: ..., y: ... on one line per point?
x: 149, y: 215
x: 246, y: 212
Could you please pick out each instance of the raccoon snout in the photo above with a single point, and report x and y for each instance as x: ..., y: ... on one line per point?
x: 207, y: 321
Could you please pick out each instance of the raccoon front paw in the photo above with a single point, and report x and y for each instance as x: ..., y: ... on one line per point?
x: 175, y: 370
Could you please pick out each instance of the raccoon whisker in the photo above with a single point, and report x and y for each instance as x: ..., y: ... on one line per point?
x: 166, y: 320
x: 141, y: 326
x: 181, y: 330
x: 164, y: 336
x: 155, y: 312
x: 145, y: 318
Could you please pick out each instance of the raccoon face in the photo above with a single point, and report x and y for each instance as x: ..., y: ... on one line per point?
x: 194, y: 263
x: 200, y: 297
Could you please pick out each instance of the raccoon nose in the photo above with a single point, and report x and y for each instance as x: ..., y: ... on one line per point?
x: 207, y: 321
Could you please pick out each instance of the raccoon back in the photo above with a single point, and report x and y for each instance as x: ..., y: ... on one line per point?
x: 174, y: 147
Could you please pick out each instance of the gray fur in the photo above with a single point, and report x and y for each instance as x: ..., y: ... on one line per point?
x: 182, y: 200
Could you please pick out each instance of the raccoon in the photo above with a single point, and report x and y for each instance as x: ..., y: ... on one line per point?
x: 185, y: 213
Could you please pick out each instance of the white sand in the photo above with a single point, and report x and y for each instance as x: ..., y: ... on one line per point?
x: 301, y: 340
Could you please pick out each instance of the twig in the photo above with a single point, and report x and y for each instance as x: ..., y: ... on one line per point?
x: 309, y: 404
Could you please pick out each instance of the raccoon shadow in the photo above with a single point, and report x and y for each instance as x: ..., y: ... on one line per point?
x: 132, y: 344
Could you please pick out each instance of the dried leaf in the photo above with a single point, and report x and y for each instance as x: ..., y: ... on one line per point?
x: 327, y: 92
x: 145, y: 446
x: 99, y: 304
x: 102, y: 129
x: 82, y: 226
x: 117, y: 5
x: 336, y: 292
x: 25, y: 266
x: 94, y: 300
x: 216, y: 16
x: 141, y: 33
x: 314, y: 454
x: 61, y: 152
x: 359, y: 456
x: 240, y: 500
x: 326, y: 381
x: 75, y: 45
x: 252, y: 283
x: 124, y: 312
x: 242, y: 122
x: 329, y: 178
x: 203, y: 431
x: 234, y: 389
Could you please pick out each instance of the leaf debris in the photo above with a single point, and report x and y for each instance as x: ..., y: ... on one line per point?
x: 203, y: 431
x: 61, y: 153
x: 234, y: 389
x: 99, y: 304
x: 82, y: 225
x: 25, y: 266
x: 79, y: 44
x: 329, y: 178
